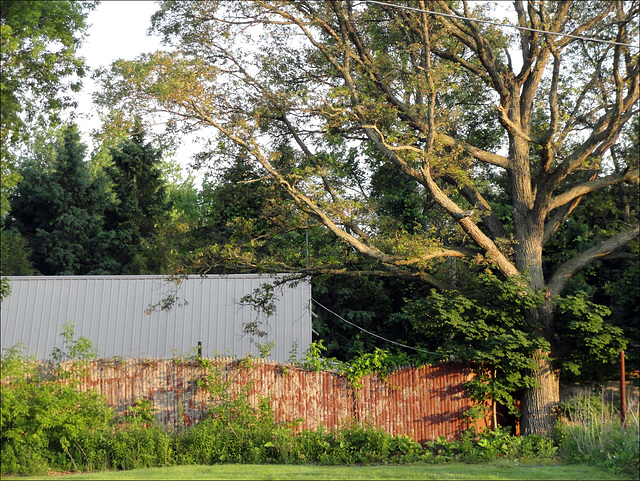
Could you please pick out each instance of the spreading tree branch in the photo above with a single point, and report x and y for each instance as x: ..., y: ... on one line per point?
x: 569, y: 268
x: 631, y: 176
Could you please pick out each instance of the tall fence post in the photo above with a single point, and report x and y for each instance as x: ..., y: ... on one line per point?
x: 623, y: 391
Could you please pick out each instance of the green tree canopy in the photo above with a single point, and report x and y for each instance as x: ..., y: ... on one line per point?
x: 40, y: 70
x: 140, y: 201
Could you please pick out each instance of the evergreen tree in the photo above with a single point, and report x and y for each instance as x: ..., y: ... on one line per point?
x: 141, y: 202
x: 58, y: 207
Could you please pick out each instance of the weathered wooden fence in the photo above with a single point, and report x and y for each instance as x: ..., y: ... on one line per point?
x: 423, y: 403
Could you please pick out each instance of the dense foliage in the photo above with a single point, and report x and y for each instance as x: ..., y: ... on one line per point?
x: 41, y: 71
x: 44, y: 420
x: 140, y: 203
x: 58, y: 207
x: 69, y: 215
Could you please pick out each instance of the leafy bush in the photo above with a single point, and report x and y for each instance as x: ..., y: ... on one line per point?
x: 232, y: 433
x: 474, y: 447
x: 140, y: 446
x: 44, y: 419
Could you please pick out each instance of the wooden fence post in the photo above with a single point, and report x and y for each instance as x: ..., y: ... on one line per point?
x: 623, y: 391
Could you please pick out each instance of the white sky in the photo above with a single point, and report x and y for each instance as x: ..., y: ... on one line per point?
x: 118, y: 30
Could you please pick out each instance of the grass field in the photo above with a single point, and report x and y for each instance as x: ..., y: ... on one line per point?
x: 498, y: 470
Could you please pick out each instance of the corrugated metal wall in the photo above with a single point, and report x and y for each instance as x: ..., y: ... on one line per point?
x: 111, y: 312
x: 423, y: 403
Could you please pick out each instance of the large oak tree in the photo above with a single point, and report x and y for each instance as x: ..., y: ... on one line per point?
x: 462, y: 108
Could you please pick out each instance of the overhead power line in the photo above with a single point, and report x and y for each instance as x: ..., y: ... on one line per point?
x: 371, y: 333
x: 579, y: 37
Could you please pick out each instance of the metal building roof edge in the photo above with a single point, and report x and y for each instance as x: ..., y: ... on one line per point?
x: 152, y: 276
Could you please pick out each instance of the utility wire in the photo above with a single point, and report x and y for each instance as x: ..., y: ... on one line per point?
x: 590, y: 39
x: 371, y: 333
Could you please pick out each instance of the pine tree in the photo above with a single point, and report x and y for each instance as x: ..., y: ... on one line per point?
x: 140, y: 201
x: 58, y: 207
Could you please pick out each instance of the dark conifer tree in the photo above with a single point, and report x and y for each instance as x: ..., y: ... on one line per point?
x: 141, y: 202
x: 58, y: 207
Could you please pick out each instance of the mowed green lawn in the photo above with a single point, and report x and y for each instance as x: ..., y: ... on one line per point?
x: 497, y: 470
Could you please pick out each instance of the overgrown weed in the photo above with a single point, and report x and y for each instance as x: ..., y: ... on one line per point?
x: 591, y: 432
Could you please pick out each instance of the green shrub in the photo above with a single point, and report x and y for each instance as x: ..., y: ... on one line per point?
x: 475, y: 447
x: 442, y: 450
x: 532, y: 446
x: 140, y: 446
x: 404, y: 449
x: 354, y: 444
x: 44, y: 420
x: 363, y: 444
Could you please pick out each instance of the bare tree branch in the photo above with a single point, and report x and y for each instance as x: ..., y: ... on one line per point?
x: 487, y: 245
x: 482, y: 155
x: 489, y: 219
x: 562, y: 213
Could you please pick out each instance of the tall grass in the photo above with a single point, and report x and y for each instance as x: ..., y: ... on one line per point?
x: 591, y: 432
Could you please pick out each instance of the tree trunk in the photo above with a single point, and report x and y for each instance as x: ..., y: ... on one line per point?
x: 539, y: 402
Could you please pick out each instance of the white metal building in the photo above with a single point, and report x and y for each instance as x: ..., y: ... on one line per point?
x: 113, y: 312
